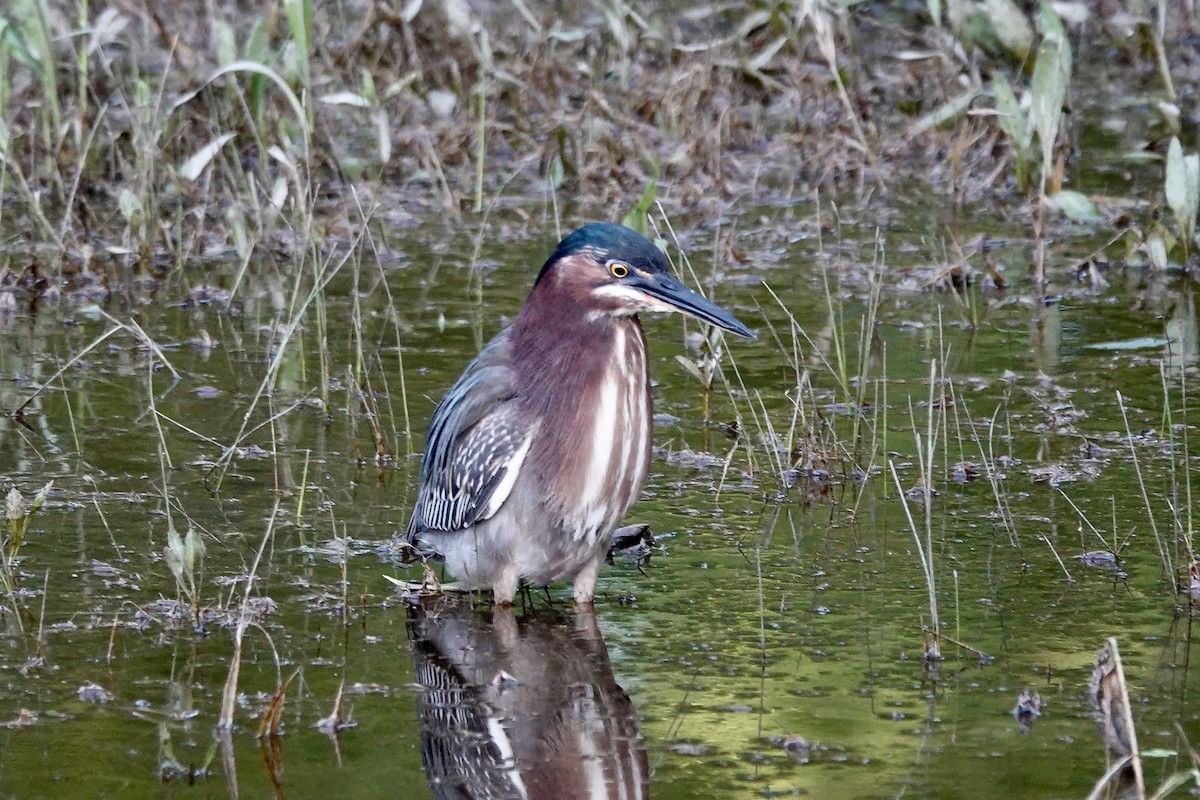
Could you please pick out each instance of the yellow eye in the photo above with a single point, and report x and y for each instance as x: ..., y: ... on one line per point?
x: 618, y: 270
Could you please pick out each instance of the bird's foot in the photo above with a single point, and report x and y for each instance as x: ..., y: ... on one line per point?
x: 428, y: 586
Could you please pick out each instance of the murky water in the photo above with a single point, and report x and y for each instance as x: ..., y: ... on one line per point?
x: 771, y: 647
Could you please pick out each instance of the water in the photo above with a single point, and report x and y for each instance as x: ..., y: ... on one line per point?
x: 765, y: 617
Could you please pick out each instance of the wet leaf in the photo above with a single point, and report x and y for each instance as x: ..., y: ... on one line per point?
x: 753, y: 21
x: 12, y: 42
x: 442, y: 102
x: 1140, y: 156
x: 1176, y: 184
x: 636, y: 218
x: 764, y: 57
x: 410, y: 10
x: 1073, y: 13
x: 396, y: 87
x: 1140, y: 343
x: 346, y: 99
x: 1183, y: 189
x: 946, y: 112
x: 174, y: 554
x: 1011, y: 27
x: 193, y: 549
x: 568, y: 36
x: 279, y: 192
x: 14, y: 506
x: 40, y: 498
x: 1051, y: 72
x: 258, y: 43
x: 1076, y: 206
x: 1156, y: 248
x: 691, y: 367
x: 130, y: 205
x: 194, y: 166
x: 226, y: 43
x: 385, y: 137
x: 1012, y: 119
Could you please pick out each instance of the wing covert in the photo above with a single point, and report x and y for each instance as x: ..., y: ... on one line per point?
x: 475, y: 445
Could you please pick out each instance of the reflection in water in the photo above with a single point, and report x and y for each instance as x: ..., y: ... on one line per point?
x: 522, y: 708
x: 1183, y: 337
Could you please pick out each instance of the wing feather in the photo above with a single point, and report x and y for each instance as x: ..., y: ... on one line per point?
x: 475, y: 445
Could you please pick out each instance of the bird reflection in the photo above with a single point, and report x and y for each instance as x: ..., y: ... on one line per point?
x: 522, y: 707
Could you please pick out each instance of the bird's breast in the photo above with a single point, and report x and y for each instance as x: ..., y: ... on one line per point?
x: 612, y: 446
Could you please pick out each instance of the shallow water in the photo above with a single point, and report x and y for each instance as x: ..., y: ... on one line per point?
x: 765, y: 616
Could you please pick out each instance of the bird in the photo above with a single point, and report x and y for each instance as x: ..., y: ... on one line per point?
x: 535, y: 455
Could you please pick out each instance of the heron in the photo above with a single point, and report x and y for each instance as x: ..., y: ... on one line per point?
x: 535, y: 455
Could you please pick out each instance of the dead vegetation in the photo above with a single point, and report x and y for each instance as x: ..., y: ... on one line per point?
x: 135, y: 144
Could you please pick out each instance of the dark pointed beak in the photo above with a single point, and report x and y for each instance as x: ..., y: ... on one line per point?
x: 666, y: 289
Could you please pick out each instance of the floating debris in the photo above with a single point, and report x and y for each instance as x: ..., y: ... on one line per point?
x: 633, y: 543
x: 93, y: 693
x: 1100, y: 559
x: 921, y: 493
x: 693, y: 459
x: 798, y: 749
x: 22, y: 720
x: 964, y: 472
x: 1028, y: 708
x: 689, y: 749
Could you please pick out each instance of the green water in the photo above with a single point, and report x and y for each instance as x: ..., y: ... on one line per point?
x: 762, y: 615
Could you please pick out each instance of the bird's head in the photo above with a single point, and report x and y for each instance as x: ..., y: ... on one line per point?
x: 615, y: 271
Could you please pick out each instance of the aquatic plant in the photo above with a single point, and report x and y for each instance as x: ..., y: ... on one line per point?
x: 18, y: 514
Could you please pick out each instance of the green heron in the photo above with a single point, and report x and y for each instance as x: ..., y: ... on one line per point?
x: 535, y: 455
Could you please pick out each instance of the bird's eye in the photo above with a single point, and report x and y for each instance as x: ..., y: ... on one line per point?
x: 618, y: 270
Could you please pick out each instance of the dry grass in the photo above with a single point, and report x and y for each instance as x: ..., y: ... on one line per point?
x: 135, y: 160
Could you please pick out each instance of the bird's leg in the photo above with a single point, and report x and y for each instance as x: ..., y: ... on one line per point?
x: 585, y: 582
x: 504, y: 586
x: 526, y: 598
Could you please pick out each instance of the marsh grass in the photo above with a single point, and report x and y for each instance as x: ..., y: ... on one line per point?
x: 18, y: 514
x: 815, y: 435
x: 236, y: 152
x: 208, y: 139
x: 1112, y: 708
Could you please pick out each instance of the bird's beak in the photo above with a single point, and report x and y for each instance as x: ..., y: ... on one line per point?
x: 668, y: 294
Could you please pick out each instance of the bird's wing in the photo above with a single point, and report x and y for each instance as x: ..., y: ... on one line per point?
x: 475, y: 445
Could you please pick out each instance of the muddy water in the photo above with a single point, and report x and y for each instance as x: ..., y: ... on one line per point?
x: 772, y: 646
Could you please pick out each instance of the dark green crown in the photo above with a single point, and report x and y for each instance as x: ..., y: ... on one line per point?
x: 606, y: 240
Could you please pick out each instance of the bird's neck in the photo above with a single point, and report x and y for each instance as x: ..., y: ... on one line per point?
x: 584, y: 377
x: 562, y: 348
